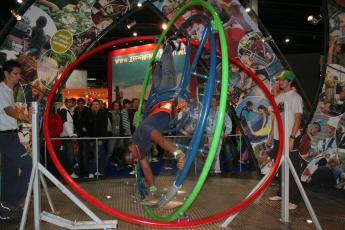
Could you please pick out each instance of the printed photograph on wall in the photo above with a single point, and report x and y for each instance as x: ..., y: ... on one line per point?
x: 104, y: 12
x: 73, y: 15
x: 128, y: 68
x: 319, y: 144
x: 332, y: 97
x: 255, y: 115
x: 254, y: 52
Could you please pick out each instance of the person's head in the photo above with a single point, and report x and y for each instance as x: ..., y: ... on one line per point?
x: 249, y: 105
x: 95, y: 105
x: 116, y: 105
x: 166, y: 9
x: 81, y: 103
x: 251, y: 40
x: 315, y: 128
x: 262, y: 109
x: 126, y: 104
x: 214, y: 102
x: 68, y: 103
x: 135, y: 103
x: 74, y: 102
x: 286, y: 79
x: 333, y: 163
x: 133, y: 154
x: 332, y: 124
x: 41, y: 21
x: 235, y: 8
x: 12, y: 73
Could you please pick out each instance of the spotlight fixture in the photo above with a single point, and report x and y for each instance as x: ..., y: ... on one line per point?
x: 248, y: 10
x: 135, y: 34
x: 15, y: 15
x: 267, y: 39
x: 130, y: 24
x: 287, y: 40
x: 314, y: 20
x: 139, y: 4
x: 164, y: 26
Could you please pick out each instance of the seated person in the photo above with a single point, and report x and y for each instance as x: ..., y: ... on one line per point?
x: 324, y: 177
x: 151, y: 128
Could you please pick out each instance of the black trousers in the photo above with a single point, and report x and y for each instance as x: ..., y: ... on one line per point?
x: 295, y: 196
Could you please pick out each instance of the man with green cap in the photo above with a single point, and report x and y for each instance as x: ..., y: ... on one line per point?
x: 291, y: 102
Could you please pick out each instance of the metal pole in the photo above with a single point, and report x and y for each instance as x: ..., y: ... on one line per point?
x: 304, y: 196
x: 35, y: 160
x: 240, y: 154
x: 97, y: 158
x: 285, y: 172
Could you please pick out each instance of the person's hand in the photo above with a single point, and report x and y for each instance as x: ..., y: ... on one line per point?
x: 181, y: 160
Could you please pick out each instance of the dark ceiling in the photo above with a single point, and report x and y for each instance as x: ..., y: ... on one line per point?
x: 282, y: 18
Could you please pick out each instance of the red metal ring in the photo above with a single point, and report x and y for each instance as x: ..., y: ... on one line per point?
x: 136, y: 219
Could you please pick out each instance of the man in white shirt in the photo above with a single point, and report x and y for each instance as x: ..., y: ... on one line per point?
x: 290, y: 103
x: 14, y: 182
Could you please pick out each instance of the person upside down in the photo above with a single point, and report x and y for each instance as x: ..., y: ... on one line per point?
x: 151, y: 128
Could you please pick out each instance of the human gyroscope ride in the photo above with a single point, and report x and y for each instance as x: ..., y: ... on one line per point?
x: 212, y: 33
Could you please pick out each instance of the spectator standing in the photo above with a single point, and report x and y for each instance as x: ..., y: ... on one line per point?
x: 67, y: 132
x: 81, y: 113
x: 14, y: 156
x: 125, y: 118
x: 96, y: 126
x: 210, y: 127
x: 291, y: 102
x: 116, y: 130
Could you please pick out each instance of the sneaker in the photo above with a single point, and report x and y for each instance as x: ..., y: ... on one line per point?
x: 91, y: 176
x: 99, y: 174
x: 73, y: 175
x: 150, y: 199
x: 275, y: 198
x: 292, y: 206
x: 168, y: 168
x: 154, y: 160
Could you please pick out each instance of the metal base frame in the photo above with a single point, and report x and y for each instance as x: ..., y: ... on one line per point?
x: 287, y: 167
x: 37, y: 179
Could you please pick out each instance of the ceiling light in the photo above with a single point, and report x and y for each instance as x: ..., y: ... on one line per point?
x: 130, y: 24
x: 164, y: 26
x: 135, y: 34
x: 309, y: 221
x: 20, y: 1
x: 314, y: 20
x: 139, y: 4
x: 15, y: 15
x: 248, y: 9
x: 287, y: 40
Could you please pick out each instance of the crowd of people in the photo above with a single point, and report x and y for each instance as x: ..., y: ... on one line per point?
x: 82, y: 132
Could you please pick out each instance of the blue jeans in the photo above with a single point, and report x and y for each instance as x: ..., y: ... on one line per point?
x: 164, y: 75
x: 67, y: 156
x: 13, y: 158
x: 102, y: 162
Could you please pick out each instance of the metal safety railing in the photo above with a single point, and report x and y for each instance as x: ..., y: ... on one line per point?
x: 97, y: 139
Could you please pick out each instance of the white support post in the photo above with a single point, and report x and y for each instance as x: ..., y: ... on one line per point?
x: 35, y: 160
x: 285, y: 174
x: 37, y: 179
x: 287, y: 167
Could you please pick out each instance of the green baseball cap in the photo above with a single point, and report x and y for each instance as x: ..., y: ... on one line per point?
x: 286, y: 75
